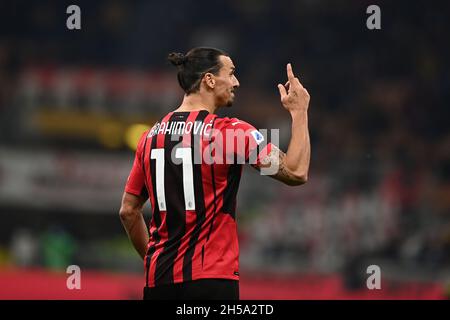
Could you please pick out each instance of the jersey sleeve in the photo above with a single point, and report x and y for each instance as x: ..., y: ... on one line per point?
x: 136, y: 179
x: 243, y: 141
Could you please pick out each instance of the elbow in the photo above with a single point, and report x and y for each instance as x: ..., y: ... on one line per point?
x: 298, y: 180
x: 126, y: 213
x: 130, y: 208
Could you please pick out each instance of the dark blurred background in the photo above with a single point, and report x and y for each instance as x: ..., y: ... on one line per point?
x: 73, y: 102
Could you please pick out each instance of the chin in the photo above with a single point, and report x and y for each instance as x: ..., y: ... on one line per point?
x: 229, y: 102
x: 226, y: 104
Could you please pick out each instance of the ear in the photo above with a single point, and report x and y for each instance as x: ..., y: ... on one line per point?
x: 210, y: 81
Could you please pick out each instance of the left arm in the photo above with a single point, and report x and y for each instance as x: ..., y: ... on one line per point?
x: 133, y: 221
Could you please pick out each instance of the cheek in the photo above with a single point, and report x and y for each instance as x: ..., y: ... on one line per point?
x: 229, y: 85
x: 223, y: 88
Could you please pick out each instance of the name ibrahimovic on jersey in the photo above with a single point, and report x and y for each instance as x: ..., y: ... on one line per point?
x: 180, y: 128
x: 223, y: 144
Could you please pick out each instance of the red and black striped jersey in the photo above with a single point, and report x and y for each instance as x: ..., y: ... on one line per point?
x: 189, y: 165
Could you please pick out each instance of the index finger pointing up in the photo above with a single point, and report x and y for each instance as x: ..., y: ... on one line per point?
x: 290, y: 73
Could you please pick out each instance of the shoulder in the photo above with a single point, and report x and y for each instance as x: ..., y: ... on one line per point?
x: 239, y: 128
x: 232, y: 123
x: 142, y: 140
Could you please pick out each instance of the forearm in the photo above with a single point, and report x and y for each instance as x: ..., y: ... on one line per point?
x: 134, y: 224
x: 299, y: 150
x: 293, y: 166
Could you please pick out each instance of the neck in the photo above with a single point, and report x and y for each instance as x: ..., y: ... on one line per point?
x: 196, y: 102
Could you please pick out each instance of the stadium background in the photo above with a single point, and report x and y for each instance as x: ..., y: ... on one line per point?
x: 73, y: 102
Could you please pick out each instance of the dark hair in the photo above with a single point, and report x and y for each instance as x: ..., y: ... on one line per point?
x: 193, y: 66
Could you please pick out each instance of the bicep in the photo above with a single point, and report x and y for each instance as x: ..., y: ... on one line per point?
x: 275, y: 162
x: 133, y: 202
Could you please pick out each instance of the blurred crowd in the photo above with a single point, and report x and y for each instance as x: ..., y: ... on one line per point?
x: 379, y: 186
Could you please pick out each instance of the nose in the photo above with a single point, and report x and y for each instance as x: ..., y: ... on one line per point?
x: 236, y: 83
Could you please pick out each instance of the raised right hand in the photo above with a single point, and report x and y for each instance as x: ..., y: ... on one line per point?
x: 294, y: 96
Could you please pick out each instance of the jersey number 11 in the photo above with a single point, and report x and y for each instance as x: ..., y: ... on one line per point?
x: 185, y: 154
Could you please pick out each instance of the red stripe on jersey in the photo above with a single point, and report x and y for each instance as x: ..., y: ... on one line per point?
x: 190, y: 217
x: 211, y: 201
x: 210, y: 251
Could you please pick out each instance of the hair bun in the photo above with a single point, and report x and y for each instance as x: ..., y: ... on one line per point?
x: 177, y: 58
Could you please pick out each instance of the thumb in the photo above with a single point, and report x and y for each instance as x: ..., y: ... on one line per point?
x: 282, y: 90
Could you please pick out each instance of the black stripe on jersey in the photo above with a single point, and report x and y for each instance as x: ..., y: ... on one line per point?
x: 175, y: 207
x: 231, y: 189
x: 155, y: 210
x: 200, y: 209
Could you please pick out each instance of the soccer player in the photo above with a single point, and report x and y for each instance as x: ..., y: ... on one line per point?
x: 189, y: 165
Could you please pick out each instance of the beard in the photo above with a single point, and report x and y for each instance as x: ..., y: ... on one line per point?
x: 230, y: 100
x: 226, y: 103
x: 225, y: 100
